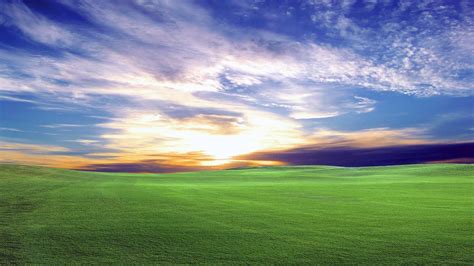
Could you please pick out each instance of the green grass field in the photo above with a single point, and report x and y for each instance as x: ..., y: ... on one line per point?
x: 314, y: 214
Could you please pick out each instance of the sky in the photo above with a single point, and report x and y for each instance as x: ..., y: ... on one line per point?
x: 165, y: 86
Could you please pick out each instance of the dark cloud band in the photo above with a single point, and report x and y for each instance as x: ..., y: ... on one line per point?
x: 393, y: 155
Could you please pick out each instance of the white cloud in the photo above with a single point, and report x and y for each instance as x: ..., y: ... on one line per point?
x: 10, y: 129
x: 187, y: 52
x: 35, y: 26
x: 62, y: 125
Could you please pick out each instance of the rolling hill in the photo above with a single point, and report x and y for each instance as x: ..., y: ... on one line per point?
x: 302, y: 214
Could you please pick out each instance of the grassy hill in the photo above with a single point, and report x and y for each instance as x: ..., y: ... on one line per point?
x: 312, y: 214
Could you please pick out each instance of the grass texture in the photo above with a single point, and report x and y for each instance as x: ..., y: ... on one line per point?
x: 419, y: 214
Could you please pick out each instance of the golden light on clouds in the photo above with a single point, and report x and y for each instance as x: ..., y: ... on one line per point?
x: 220, y: 137
x: 202, y: 143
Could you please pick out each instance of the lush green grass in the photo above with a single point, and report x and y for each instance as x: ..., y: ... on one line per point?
x: 402, y: 214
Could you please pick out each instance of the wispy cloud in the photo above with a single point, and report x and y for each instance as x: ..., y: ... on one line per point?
x: 62, y: 126
x: 85, y: 141
x: 172, y: 77
x: 187, y: 52
x: 16, y: 99
x: 10, y: 129
x: 33, y: 148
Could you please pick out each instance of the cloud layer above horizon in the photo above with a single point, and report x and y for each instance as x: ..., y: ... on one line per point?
x: 203, y: 84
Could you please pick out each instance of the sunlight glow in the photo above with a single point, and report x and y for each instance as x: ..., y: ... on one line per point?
x: 219, y: 137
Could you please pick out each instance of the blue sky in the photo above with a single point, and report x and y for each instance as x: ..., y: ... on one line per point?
x: 206, y: 84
